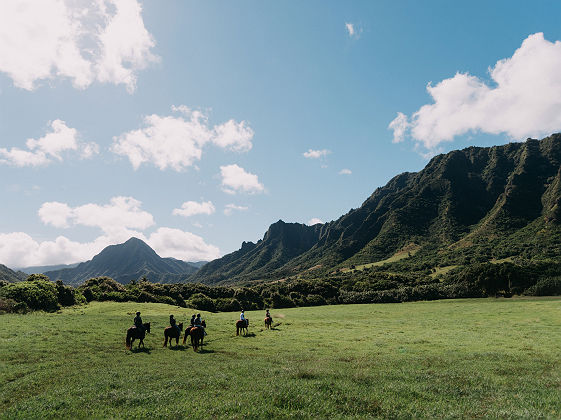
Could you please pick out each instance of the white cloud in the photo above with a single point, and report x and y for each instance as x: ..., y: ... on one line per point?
x: 50, y: 147
x: 236, y: 179
x: 119, y: 220
x: 524, y: 99
x: 176, y: 142
x: 399, y: 126
x: 353, y: 30
x: 316, y: 154
x: 80, y: 40
x: 229, y: 209
x: 192, y: 208
x: 345, y: 172
x: 314, y: 221
x: 186, y: 246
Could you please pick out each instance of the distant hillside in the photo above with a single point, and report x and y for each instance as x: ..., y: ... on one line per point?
x: 131, y: 260
x: 40, y: 269
x: 476, y: 204
x: 10, y: 275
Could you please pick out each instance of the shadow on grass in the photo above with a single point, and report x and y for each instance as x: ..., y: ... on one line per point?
x: 248, y: 335
x: 205, y: 351
x: 141, y: 350
x: 179, y: 347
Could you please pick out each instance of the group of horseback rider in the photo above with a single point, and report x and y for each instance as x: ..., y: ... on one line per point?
x: 195, y: 321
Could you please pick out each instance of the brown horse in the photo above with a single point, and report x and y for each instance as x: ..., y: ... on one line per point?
x: 171, y: 332
x: 268, y: 322
x: 242, y: 325
x: 188, y: 331
x: 197, y: 335
x: 134, y: 333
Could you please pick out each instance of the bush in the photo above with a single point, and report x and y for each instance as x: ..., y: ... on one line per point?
x: 550, y: 286
x: 37, y: 293
x: 202, y: 302
x: 11, y: 306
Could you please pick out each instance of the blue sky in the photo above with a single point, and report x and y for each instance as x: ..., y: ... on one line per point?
x: 195, y: 125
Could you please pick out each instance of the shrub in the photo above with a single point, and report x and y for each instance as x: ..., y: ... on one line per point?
x: 37, y: 293
x: 202, y: 302
x: 549, y: 286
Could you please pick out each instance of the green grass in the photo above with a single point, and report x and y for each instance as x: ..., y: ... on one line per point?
x: 406, y: 252
x: 455, y: 358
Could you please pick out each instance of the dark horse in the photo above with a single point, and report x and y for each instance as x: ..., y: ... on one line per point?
x: 133, y: 333
x: 242, y: 325
x: 171, y: 332
x: 268, y: 322
x: 188, y: 332
x: 197, y: 335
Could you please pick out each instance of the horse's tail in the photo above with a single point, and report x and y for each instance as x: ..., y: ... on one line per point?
x: 128, y: 340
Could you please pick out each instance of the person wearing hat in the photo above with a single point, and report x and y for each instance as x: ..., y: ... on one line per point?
x: 138, y: 322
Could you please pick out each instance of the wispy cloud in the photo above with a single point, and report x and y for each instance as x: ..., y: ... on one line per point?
x: 230, y: 208
x: 353, y: 30
x: 316, y: 154
x: 314, y: 221
x: 345, y: 172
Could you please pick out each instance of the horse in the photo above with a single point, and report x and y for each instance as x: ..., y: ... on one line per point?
x: 197, y: 335
x: 242, y: 325
x: 268, y: 322
x: 188, y: 331
x: 133, y: 333
x: 171, y: 332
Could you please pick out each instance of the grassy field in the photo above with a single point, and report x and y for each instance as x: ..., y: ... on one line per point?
x: 456, y: 358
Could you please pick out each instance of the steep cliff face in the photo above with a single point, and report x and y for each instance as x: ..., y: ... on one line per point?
x: 461, y: 197
x: 281, y: 243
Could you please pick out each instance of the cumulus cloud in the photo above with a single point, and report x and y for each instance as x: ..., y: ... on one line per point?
x: 230, y: 208
x: 182, y: 245
x: 192, y: 208
x: 316, y: 154
x: 236, y: 179
x: 81, y: 40
x: 314, y: 221
x: 345, y: 172
x: 119, y: 220
x: 177, y: 142
x: 51, y: 146
x: 523, y: 100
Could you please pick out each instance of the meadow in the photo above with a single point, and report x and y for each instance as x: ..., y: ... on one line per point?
x: 443, y: 359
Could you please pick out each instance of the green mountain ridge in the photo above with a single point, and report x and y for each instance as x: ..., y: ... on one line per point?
x: 131, y: 260
x: 479, y: 203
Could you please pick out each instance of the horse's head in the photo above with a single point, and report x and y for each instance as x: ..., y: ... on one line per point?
x: 147, y: 327
x: 203, y: 323
x: 180, y: 326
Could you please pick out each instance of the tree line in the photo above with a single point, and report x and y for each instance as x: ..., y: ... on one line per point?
x: 37, y: 292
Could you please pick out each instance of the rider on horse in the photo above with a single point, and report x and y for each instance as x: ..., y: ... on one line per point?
x: 199, y: 323
x: 268, y: 315
x: 174, y: 324
x: 193, y: 320
x: 243, y: 318
x: 138, y: 322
